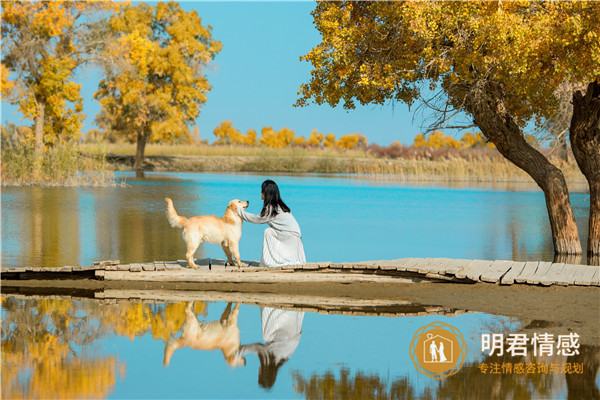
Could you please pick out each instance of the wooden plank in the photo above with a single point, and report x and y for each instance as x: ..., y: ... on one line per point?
x: 552, y: 274
x: 65, y: 269
x: 138, y: 267
x: 173, y: 267
x: 596, y: 277
x: 453, y: 266
x: 496, y: 271
x: 567, y: 275
x: 540, y: 273
x: 185, y: 275
x: 474, y: 269
x: 149, y: 267
x: 528, y: 271
x: 514, y: 271
x: 406, y: 263
x: 586, y: 273
x: 421, y: 264
x: 123, y: 267
x: 433, y: 266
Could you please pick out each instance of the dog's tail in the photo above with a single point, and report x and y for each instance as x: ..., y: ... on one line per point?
x: 175, y: 219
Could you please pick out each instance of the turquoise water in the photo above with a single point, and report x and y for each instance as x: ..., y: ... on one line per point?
x: 59, y: 347
x: 342, y: 219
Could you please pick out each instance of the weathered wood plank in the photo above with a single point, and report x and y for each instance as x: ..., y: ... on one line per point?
x: 528, y: 272
x: 514, y: 271
x: 419, y: 265
x: 496, y: 271
x: 435, y: 265
x: 584, y: 276
x: 596, y: 277
x: 552, y: 274
x: 241, y: 277
x: 453, y: 266
x: 567, y: 275
x: 540, y: 273
x: 474, y: 269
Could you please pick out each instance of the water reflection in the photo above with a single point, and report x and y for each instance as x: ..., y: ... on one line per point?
x: 223, y: 335
x: 281, y: 331
x: 63, y: 348
x: 47, y: 351
x: 76, y: 226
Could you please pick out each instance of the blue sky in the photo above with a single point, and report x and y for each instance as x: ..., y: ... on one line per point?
x: 258, y: 73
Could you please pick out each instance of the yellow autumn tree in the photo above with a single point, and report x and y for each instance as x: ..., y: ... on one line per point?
x: 352, y: 141
x: 329, y: 141
x: 299, y: 141
x: 43, y: 42
x: 226, y: 133
x: 276, y: 139
x: 155, y: 84
x: 498, y: 62
x: 316, y: 139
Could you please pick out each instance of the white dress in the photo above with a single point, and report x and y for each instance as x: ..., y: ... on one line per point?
x: 282, y: 242
x: 281, y: 331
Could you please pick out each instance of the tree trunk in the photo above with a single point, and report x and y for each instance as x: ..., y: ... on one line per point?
x: 138, y: 164
x: 486, y: 105
x: 585, y: 141
x: 38, y: 150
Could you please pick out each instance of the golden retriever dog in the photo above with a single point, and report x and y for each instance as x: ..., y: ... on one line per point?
x: 225, y: 231
x: 223, y: 335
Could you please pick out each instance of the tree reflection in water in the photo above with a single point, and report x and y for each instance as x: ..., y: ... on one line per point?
x: 48, y: 348
x: 468, y: 383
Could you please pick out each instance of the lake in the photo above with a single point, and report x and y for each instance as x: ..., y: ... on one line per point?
x: 342, y: 219
x: 75, y: 345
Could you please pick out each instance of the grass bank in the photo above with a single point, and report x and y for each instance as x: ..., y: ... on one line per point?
x: 61, y: 165
x: 401, y: 164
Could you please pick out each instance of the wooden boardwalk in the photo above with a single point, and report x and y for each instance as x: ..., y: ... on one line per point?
x: 502, y: 272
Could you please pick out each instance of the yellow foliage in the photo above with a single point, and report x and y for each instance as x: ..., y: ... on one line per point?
x: 329, y: 140
x: 55, y: 33
x: 420, y: 141
x: 355, y: 140
x: 316, y: 139
x: 155, y: 86
x: 372, y: 52
x: 227, y: 134
x: 299, y: 141
x: 278, y: 140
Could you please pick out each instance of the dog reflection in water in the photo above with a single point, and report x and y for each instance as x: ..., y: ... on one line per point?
x: 223, y: 335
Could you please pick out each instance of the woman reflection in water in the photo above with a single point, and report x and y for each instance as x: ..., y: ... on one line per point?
x: 281, y: 332
x: 282, y: 242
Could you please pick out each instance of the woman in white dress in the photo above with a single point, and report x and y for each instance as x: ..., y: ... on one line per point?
x: 282, y: 242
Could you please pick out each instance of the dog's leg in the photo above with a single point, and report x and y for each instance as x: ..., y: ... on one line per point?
x: 232, y: 320
x: 226, y: 249
x: 235, y: 249
x: 225, y: 315
x: 192, y: 244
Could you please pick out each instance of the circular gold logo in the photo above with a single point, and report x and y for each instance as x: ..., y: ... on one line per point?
x: 438, y: 350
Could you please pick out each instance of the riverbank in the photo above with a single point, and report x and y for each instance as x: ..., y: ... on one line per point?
x: 94, y: 164
x: 398, y: 169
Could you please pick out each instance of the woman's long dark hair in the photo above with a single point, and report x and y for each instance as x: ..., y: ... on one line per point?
x: 272, y: 199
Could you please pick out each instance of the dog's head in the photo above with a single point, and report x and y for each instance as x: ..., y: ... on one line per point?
x: 234, y: 205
